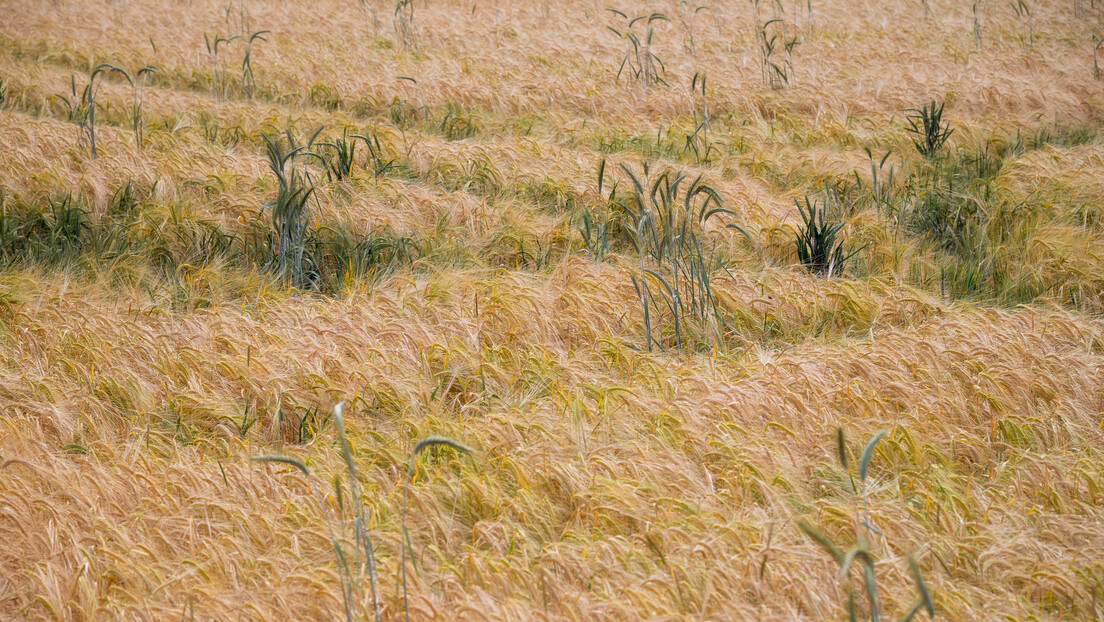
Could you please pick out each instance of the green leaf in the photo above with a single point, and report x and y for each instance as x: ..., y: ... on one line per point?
x: 867, y: 453
x: 925, y: 595
x: 841, y: 446
x: 871, y: 590
x: 912, y: 612
x: 295, y: 462
x: 430, y: 441
x: 822, y: 540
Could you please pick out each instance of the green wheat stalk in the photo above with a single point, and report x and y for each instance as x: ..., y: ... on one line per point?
x: 344, y: 573
x: 425, y: 443
x: 861, y: 551
x: 136, y: 110
x: 248, y: 81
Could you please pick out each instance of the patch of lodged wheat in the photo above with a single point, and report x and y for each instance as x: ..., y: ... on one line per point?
x: 652, y: 486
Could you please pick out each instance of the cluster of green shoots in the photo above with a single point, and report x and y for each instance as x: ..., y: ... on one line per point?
x: 688, y: 15
x: 662, y: 218
x: 300, y: 252
x: 136, y: 107
x: 248, y: 81
x: 948, y: 201
x: 930, y: 132
x: 240, y: 21
x: 216, y: 47
x: 595, y: 230
x: 976, y: 12
x: 292, y: 233
x: 372, y: 13
x: 642, y: 63
x: 339, y: 159
x: 820, y: 248
x: 1026, y: 21
x: 862, y: 554
x: 776, y: 45
x: 353, y: 567
x: 218, y: 65
x: 66, y: 231
x: 50, y: 235
x: 404, y: 24
x: 820, y: 245
x: 698, y: 140
x: 82, y: 108
x: 289, y: 211
x: 928, y: 129
x: 882, y: 188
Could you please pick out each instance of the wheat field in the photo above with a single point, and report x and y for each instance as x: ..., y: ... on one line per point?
x: 548, y: 410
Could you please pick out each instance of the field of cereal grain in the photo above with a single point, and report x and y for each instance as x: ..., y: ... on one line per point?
x: 559, y: 234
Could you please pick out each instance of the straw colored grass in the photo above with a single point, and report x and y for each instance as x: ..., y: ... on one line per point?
x: 607, y: 481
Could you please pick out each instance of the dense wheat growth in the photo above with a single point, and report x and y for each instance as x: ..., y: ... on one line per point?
x: 504, y: 311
